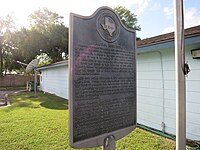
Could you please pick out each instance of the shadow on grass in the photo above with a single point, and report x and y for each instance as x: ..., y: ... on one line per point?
x: 51, y: 101
x: 53, y: 105
x: 27, y: 100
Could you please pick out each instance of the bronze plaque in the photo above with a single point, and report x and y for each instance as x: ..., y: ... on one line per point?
x: 102, y: 78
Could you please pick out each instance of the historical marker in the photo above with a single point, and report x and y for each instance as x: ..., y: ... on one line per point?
x: 102, y: 79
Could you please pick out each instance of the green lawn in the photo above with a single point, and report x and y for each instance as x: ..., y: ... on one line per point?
x: 6, y: 88
x: 42, y: 123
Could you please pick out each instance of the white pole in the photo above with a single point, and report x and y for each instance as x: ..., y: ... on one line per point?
x: 35, y: 82
x: 180, y: 76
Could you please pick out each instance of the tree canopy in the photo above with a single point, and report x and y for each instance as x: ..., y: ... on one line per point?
x: 128, y: 18
x: 46, y: 39
x: 53, y: 32
x: 41, y: 19
x: 6, y: 28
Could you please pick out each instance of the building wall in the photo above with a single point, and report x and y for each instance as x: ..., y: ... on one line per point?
x: 156, y: 91
x: 55, y: 81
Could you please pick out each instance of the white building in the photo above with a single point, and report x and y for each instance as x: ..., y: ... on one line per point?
x: 54, y: 79
x: 156, y: 83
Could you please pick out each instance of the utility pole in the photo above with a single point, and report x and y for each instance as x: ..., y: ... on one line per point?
x: 180, y: 76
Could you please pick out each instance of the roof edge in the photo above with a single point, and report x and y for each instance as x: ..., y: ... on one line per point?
x: 189, y: 32
x: 57, y: 64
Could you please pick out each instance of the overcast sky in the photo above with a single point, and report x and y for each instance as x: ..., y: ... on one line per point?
x: 154, y: 16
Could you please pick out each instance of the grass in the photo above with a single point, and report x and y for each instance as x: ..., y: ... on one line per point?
x: 6, y: 88
x: 42, y: 123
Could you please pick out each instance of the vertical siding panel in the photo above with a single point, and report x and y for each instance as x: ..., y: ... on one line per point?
x: 55, y: 81
x: 150, y: 92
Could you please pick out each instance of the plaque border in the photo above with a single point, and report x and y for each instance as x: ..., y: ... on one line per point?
x: 97, y: 140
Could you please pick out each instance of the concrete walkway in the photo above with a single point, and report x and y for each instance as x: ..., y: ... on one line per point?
x: 3, y: 97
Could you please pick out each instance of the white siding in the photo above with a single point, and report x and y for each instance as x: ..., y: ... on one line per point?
x: 156, y: 92
x: 55, y: 80
x: 150, y: 91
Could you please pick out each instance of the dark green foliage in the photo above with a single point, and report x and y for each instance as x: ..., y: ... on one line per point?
x: 47, y: 35
x: 50, y: 25
x: 127, y: 18
x: 6, y: 46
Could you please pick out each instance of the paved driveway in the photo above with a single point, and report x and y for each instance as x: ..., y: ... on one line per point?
x: 2, y: 96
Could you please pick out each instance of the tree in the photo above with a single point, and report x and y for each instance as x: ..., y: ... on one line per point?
x: 47, y: 38
x: 6, y: 27
x: 42, y: 18
x: 51, y: 26
x: 58, y: 41
x: 28, y: 44
x: 44, y: 59
x: 127, y: 18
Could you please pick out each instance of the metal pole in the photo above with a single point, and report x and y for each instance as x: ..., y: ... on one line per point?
x: 180, y: 76
x: 1, y: 57
x: 109, y: 143
x: 21, y: 63
x: 35, y: 83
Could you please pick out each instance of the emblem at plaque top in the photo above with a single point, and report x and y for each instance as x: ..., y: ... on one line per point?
x: 109, y: 25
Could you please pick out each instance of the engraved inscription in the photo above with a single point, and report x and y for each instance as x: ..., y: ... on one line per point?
x: 98, y: 58
x: 104, y: 89
x: 102, y: 116
x: 95, y: 87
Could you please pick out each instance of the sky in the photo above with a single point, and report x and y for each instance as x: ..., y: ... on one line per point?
x: 155, y: 17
